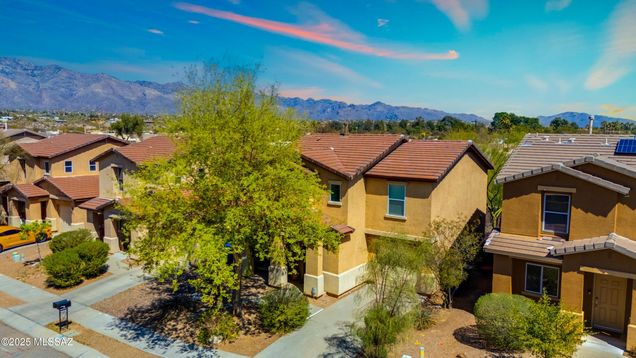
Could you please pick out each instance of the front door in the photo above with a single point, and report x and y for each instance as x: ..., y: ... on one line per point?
x: 609, y: 302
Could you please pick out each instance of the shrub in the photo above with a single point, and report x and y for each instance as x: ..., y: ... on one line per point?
x: 380, y: 331
x: 70, y: 239
x: 423, y: 317
x: 216, y: 327
x: 502, y: 319
x: 64, y: 268
x: 553, y: 332
x: 284, y: 310
x: 94, y: 255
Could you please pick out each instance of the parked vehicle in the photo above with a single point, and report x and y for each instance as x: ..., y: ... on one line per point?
x: 10, y: 237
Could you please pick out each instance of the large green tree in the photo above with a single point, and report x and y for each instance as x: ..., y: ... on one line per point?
x: 129, y: 125
x: 234, y: 189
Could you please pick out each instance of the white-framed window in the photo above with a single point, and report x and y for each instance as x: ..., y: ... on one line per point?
x: 335, y: 193
x: 47, y: 167
x: 68, y: 166
x: 396, y: 205
x: 92, y: 165
x: 540, y: 278
x: 556, y: 213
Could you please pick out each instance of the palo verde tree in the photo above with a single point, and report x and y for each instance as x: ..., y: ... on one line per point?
x: 234, y: 189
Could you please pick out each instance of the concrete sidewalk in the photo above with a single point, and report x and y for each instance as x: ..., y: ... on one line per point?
x: 324, y: 335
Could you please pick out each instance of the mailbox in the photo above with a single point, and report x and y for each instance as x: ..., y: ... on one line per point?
x: 62, y: 303
x: 62, y: 309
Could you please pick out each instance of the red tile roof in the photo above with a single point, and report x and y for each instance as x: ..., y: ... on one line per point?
x: 64, y: 143
x: 343, y: 229
x: 427, y: 160
x: 349, y: 155
x: 76, y: 188
x: 26, y: 190
x: 96, y: 204
x: 151, y: 148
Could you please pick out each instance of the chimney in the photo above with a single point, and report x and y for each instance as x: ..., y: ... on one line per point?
x: 591, y: 123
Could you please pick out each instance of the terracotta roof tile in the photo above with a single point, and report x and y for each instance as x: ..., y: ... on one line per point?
x: 348, y: 155
x: 63, y: 143
x: 27, y: 190
x: 423, y: 160
x: 96, y: 203
x: 76, y: 188
x: 541, y: 150
x: 343, y: 229
x: 518, y: 245
x: 151, y: 148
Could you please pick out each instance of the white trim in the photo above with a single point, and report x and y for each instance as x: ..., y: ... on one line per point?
x: 332, y: 202
x: 337, y: 284
x: 68, y: 161
x: 89, y: 166
x: 388, y: 201
x: 525, y: 280
x: 544, y: 211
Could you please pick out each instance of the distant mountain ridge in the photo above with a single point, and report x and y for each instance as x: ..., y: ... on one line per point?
x: 27, y: 86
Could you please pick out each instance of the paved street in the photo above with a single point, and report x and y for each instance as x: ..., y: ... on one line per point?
x: 31, y: 351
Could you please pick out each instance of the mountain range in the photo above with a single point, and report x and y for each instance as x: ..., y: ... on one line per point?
x: 27, y: 86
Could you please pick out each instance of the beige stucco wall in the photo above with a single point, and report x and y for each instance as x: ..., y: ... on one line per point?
x: 353, y: 252
x: 522, y: 206
x: 462, y: 192
x: 418, y: 207
x: 108, y: 187
x: 80, y: 159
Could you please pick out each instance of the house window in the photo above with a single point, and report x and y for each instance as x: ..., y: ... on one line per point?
x: 556, y: 213
x: 47, y: 167
x: 397, y: 200
x: 541, y: 278
x: 92, y: 166
x: 68, y: 166
x: 334, y: 193
x: 119, y: 176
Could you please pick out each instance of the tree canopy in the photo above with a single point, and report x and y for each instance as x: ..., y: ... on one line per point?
x: 129, y: 125
x: 235, y: 189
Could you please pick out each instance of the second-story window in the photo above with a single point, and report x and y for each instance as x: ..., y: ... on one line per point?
x: 47, y: 167
x: 119, y: 176
x: 334, y: 193
x: 397, y: 200
x: 68, y: 166
x: 556, y: 213
x: 92, y: 166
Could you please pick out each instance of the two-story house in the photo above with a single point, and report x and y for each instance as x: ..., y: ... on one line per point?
x: 51, y: 177
x: 386, y: 186
x: 115, y: 167
x: 568, y: 227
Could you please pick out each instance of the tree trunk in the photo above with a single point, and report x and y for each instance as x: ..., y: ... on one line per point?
x: 449, y: 300
x: 237, y: 306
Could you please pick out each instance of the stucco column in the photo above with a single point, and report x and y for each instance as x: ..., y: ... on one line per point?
x: 110, y: 235
x: 574, y: 281
x: 314, y: 280
x: 502, y: 274
x: 631, y: 327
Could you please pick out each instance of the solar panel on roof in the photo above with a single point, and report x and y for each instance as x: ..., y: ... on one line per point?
x: 626, y: 146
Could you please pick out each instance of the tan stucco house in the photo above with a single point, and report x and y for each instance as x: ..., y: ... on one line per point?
x: 386, y: 186
x: 51, y: 177
x: 115, y: 167
x: 568, y: 227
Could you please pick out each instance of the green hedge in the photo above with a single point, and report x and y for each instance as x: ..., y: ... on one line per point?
x: 70, y: 239
x: 284, y: 310
x: 94, y: 255
x: 502, y: 319
x: 64, y: 268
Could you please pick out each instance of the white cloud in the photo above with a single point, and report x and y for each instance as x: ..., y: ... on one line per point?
x: 537, y: 83
x: 155, y: 31
x: 618, y: 50
x: 383, y: 22
x: 556, y: 5
x: 193, y: 22
x: 462, y: 12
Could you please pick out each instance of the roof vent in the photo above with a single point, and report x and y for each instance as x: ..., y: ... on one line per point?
x: 546, y: 138
x: 332, y: 148
x: 560, y: 141
x: 606, y: 144
x: 572, y: 139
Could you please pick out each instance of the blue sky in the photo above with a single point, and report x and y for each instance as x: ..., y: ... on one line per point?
x: 478, y: 56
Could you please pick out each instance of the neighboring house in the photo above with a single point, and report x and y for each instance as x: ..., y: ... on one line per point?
x: 51, y: 177
x: 386, y: 186
x: 115, y: 166
x: 568, y: 227
x: 21, y: 135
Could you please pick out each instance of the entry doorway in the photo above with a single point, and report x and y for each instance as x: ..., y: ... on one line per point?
x: 610, y: 295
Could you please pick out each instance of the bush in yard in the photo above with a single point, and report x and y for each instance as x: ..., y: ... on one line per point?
x: 215, y: 327
x: 284, y: 310
x: 94, y: 255
x: 64, y: 268
x: 502, y: 320
x: 70, y: 239
x: 552, y: 332
x: 380, y: 331
x: 422, y: 317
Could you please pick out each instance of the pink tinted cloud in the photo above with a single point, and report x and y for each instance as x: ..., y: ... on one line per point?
x: 319, y: 33
x: 462, y: 12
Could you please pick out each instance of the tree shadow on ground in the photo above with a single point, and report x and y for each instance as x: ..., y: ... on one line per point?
x: 342, y: 344
x: 469, y: 336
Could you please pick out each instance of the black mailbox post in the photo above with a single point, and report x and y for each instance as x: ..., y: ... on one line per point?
x: 62, y: 308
